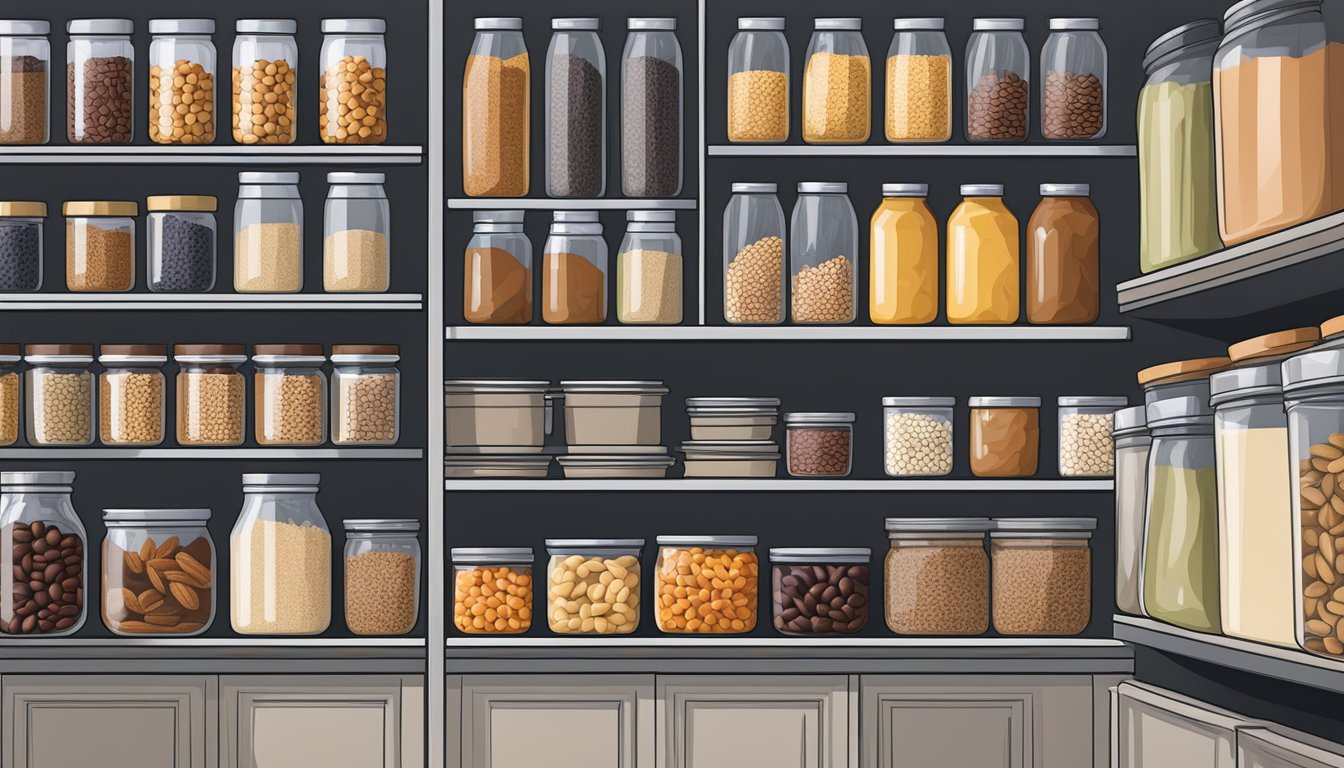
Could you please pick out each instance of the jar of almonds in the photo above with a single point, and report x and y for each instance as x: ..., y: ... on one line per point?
x: 353, y: 94
x: 158, y: 572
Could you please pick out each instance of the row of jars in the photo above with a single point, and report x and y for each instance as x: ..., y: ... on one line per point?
x: 182, y: 76
x: 160, y: 569
x: 125, y: 404
x: 937, y: 582
x: 1230, y: 492
x: 983, y: 257
x: 837, y: 82
x: 496, y: 110
x: 1239, y: 176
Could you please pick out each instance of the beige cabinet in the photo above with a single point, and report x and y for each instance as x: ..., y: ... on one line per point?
x: 1280, y: 748
x: 1156, y: 728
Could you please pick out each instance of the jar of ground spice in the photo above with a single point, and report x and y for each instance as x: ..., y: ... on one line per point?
x: 1042, y: 575
x: 25, y: 86
x: 21, y: 225
x: 837, y: 84
x: 180, y: 237
x: 353, y: 85
x: 649, y: 270
x: 159, y: 572
x: 651, y: 109
x: 9, y: 393
x: 758, y: 81
x: 820, y: 444
x: 268, y: 234
x: 99, y: 90
x: 280, y: 558
x: 576, y: 109
x: 497, y: 279
x: 1073, y: 81
x: 998, y: 81
x: 937, y: 576
x: 574, y: 271
x: 823, y: 250
x: 131, y: 394
x: 265, y: 72
x: 496, y: 111
x: 365, y: 394
x: 100, y: 245
x: 382, y: 576
x: 753, y: 255
x: 60, y: 394
x: 291, y: 394
x: 211, y: 394
x: 1005, y: 436
x: 182, y: 81
x: 357, y: 232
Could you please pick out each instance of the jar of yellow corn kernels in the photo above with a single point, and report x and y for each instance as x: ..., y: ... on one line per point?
x: 706, y: 584
x: 492, y: 593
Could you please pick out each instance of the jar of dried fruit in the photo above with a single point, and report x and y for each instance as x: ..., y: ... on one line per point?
x: 280, y: 563
x: 131, y: 394
x: 823, y: 249
x: 158, y: 572
x: 181, y: 81
x: 1042, y: 575
x: 354, y: 82
x: 753, y: 255
x: 60, y: 394
x: 45, y: 540
x: 291, y: 394
x: 365, y: 394
x: 382, y: 576
x: 937, y: 576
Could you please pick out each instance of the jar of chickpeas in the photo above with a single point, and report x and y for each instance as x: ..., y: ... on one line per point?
x: 492, y: 592
x: 353, y: 89
x: 592, y: 586
x: 265, y: 69
x: 707, y: 584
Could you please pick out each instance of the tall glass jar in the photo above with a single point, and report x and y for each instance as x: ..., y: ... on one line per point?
x: 100, y: 60
x: 576, y: 109
x: 903, y: 258
x: 21, y: 236
x: 492, y: 590
x: 651, y: 109
x: 290, y: 390
x: 280, y: 558
x: 357, y: 234
x: 1130, y: 434
x: 180, y: 243
x: 823, y: 243
x: 593, y: 586
x: 265, y: 71
x: 1073, y: 81
x: 574, y: 270
x: 131, y: 394
x: 496, y: 111
x: 1063, y: 257
x: 983, y: 258
x: 753, y: 255
x: 937, y: 576
x: 47, y: 541
x: 182, y: 81
x: 60, y: 388
x: 919, y: 82
x: 706, y: 585
x: 25, y: 81
x: 268, y: 233
x: 365, y: 394
x: 837, y: 84
x: 649, y: 270
x: 100, y: 245
x: 210, y: 394
x: 758, y: 82
x: 10, y: 403
x: 497, y: 279
x: 998, y: 81
x: 382, y: 576
x: 158, y: 572
x: 353, y: 87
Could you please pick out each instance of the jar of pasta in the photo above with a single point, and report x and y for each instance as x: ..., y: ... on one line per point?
x: 919, y: 82
x: 265, y: 71
x: 983, y: 257
x: 758, y: 81
x: 60, y: 394
x: 131, y: 394
x: 291, y: 394
x: 353, y: 85
x: 492, y: 590
x: 903, y: 258
x: 1005, y: 436
x: 210, y: 394
x: 593, y: 586
x: 496, y: 111
x: 706, y: 585
x: 837, y: 84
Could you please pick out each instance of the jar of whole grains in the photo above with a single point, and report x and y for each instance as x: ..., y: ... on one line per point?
x: 131, y: 394
x: 492, y: 592
x: 576, y: 109
x: 652, y: 109
x: 382, y: 576
x: 280, y: 558
x: 9, y: 394
x: 291, y: 394
x: 919, y: 82
x: 496, y: 111
x: 819, y: 444
x: 268, y: 233
x: 1042, y: 575
x: 354, y: 82
x: 211, y: 394
x: 21, y: 236
x: 754, y: 229
x: 100, y: 245
x: 918, y: 440
x: 837, y: 84
x: 758, y: 81
x: 937, y: 576
x: 182, y: 81
x: 60, y: 394
x: 365, y: 394
x: 649, y: 270
x: 357, y: 228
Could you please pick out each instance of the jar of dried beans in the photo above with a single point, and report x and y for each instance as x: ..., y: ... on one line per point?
x: 210, y: 394
x: 100, y: 60
x: 9, y: 394
x: 280, y: 558
x: 1042, y: 575
x: 268, y: 233
x: 998, y: 67
x: 918, y: 441
x: 1073, y: 81
x: 492, y: 590
x: 357, y: 231
x: 60, y: 394
x: 100, y: 245
x: 1085, y: 445
x: 497, y: 279
x: 937, y: 576
x: 496, y: 111
x: 823, y: 248
x: 131, y: 394
x: 265, y: 71
x: 382, y: 576
x: 758, y: 81
x: 44, y: 540
x: 25, y: 81
x: 574, y: 276
x: 819, y: 444
x: 353, y: 85
x: 158, y: 572
x: 365, y: 394
x: 837, y: 84
x: 182, y: 81
x: 919, y: 82
x: 291, y: 394
x: 706, y: 585
x: 649, y: 270
x: 1005, y: 436
x: 820, y: 591
x: 753, y: 255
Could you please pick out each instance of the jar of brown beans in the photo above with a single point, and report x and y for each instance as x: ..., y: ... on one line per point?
x: 291, y: 394
x: 706, y: 585
x: 131, y: 394
x: 492, y: 592
x: 265, y: 73
x: 820, y: 591
x: 211, y: 394
x: 353, y: 87
x: 60, y: 394
x: 820, y: 444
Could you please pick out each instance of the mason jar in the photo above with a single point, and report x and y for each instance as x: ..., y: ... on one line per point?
x: 574, y: 276
x: 21, y: 236
x: 1073, y: 81
x: 180, y: 243
x: 758, y: 82
x: 651, y: 109
x: 60, y: 388
x: 919, y: 82
x: 100, y: 89
x: 265, y: 71
x: 10, y: 402
x: 268, y: 233
x: 576, y: 109
x: 210, y: 394
x: 291, y: 394
x: 753, y: 255
x: 182, y: 81
x: 823, y: 243
x: 1130, y: 434
x: 280, y: 558
x: 998, y: 81
x: 131, y: 394
x: 837, y: 84
x: 159, y: 570
x: 353, y: 85
x: 382, y: 576
x: 357, y: 234
x: 25, y: 81
x: 46, y: 537
x: 903, y: 257
x: 497, y: 279
x: 365, y: 394
x: 496, y: 111
x: 649, y: 270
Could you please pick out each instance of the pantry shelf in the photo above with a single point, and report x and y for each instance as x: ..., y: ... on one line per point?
x: 758, y: 486
x: 259, y: 454
x: 567, y: 204
x: 14, y: 302
x: 217, y: 655
x: 924, y: 150
x: 214, y: 155
x: 787, y: 333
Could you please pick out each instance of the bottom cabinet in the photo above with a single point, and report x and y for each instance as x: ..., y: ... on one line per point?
x: 1268, y: 748
x: 1155, y: 728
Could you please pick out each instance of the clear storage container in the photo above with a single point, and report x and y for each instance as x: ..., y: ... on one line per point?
x: 753, y: 256
x: 732, y: 419
x: 497, y: 279
x: 100, y: 245
x: 99, y: 95
x: 937, y: 576
x: 357, y: 234
x: 9, y: 393
x: 365, y: 394
x: 919, y: 82
x: 820, y: 591
x: 1086, y: 448
x: 280, y: 558
x: 265, y: 71
x: 268, y: 233
x: 180, y: 234
x: 823, y: 246
x: 983, y: 258
x: 1073, y: 81
x: 918, y: 436
x: 819, y: 444
x: 382, y: 576
x: 60, y: 394
x: 1005, y: 436
x: 593, y: 586
x: 1063, y: 264
x: 210, y: 394
x: 131, y: 394
x: 903, y: 258
x: 758, y: 81
x: 706, y: 585
x: 998, y: 81
x: 1042, y: 569
x: 649, y: 270
x: 574, y: 270
x: 1130, y: 434
x: 47, y: 541
x: 576, y: 109
x: 181, y: 81
x: 837, y: 84
x: 158, y: 572
x: 496, y: 111
x: 291, y: 394
x: 353, y: 85
x: 492, y: 592
x: 25, y: 81
x: 21, y: 225
x: 651, y: 109
x: 1182, y: 378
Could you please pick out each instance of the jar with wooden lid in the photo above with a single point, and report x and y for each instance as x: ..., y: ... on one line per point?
x: 60, y: 394
x: 131, y: 394
x: 1332, y: 333
x: 1005, y: 436
x: 1181, y: 378
x: 180, y: 234
x: 291, y: 394
x: 100, y: 245
x: 211, y: 394
x: 21, y: 235
x: 1273, y: 347
x: 1063, y: 243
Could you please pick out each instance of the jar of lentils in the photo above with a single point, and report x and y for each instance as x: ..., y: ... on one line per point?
x: 291, y: 394
x: 131, y: 394
x: 365, y: 394
x: 210, y: 394
x: 937, y: 576
x: 60, y: 394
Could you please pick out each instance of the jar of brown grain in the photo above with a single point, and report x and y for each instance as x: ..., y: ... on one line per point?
x: 1042, y: 575
x: 1005, y: 436
x: 937, y: 576
x: 131, y: 394
x: 291, y: 394
x: 210, y: 394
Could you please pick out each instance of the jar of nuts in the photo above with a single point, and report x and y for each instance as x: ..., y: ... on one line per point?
x: 182, y: 81
x: 158, y: 572
x: 1085, y: 445
x: 823, y: 247
x: 1005, y: 436
x: 707, y: 584
x: 291, y: 394
x: 44, y: 540
x: 1042, y: 569
x: 492, y: 593
x: 753, y: 255
x: 265, y: 70
x: 937, y: 576
x: 819, y: 444
x: 353, y: 86
x: 60, y: 394
x: 131, y: 394
x: 592, y: 586
x: 365, y: 394
x: 210, y: 394
x: 820, y: 591
x: 382, y: 576
x: 918, y: 440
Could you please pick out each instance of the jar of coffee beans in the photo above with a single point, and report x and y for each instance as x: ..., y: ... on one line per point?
x: 1073, y: 81
x: 44, y: 540
x: 353, y: 93
x: 181, y: 242
x: 998, y: 82
x: 100, y: 63
x: 820, y: 591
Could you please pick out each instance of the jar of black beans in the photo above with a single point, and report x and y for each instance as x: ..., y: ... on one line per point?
x: 21, y: 246
x: 181, y: 243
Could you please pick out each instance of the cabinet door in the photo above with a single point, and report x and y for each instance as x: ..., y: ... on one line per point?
x: 557, y: 721
x: 781, y: 721
x: 1159, y: 729
x: 76, y: 721
x: 365, y: 721
x: 1267, y: 748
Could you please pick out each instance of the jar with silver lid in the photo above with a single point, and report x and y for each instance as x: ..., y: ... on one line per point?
x: 100, y: 87
x: 493, y: 588
x: 686, y: 564
x: 754, y: 229
x: 357, y: 234
x: 649, y: 270
x: 758, y: 81
x: 280, y: 558
x: 159, y: 570
x: 353, y: 84
x: 382, y: 576
x: 182, y: 81
x: 823, y: 252
x: 819, y: 444
x: 45, y: 539
x: 574, y: 270
x: 25, y: 88
x: 268, y: 233
x: 918, y: 436
x: 801, y: 609
x: 948, y: 552
x: 265, y: 72
x: 1085, y: 445
x: 497, y: 270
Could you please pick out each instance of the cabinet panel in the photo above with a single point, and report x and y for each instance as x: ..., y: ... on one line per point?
x: 1157, y: 729
x: 1266, y: 748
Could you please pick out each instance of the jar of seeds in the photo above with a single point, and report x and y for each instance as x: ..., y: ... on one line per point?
x: 60, y: 394
x: 131, y: 394
x: 291, y: 394
x: 210, y: 394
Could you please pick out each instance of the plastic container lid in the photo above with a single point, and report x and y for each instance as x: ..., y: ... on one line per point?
x: 365, y: 353
x: 846, y: 23
x: 1005, y: 402
x: 59, y: 350
x: 1087, y: 401
x: 375, y: 525
x: 1249, y: 381
x: 1184, y: 36
x: 919, y: 402
x: 1066, y: 190
x: 899, y: 525
x: 288, y: 353
x: 266, y: 26
x: 982, y: 190
x: 491, y: 555
x: 1274, y: 344
x: 1181, y: 370
x: 616, y: 460
x: 998, y: 25
x: 762, y: 449
x: 773, y: 23
x: 1043, y: 527
x: 732, y: 403
x: 23, y: 209
x: 202, y: 203
x: 354, y: 26
x: 822, y: 187
x: 347, y: 177
x: 1135, y: 417
x: 36, y: 478
x: 181, y: 26
x: 707, y: 541
x: 582, y: 22
x: 755, y: 187
x: 24, y: 28
x: 905, y: 190
x: 509, y: 462
x: 1175, y: 411
x: 148, y: 517
x: 10, y: 353
x: 268, y: 177
x: 100, y: 208
x: 100, y: 26
x: 819, y: 417
x: 1313, y: 369
x: 835, y: 555
x: 652, y: 217
x: 1332, y: 327
x: 657, y: 23
x: 1075, y: 24
x: 476, y: 386
x: 928, y: 23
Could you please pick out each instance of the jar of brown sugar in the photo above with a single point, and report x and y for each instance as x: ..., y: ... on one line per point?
x: 1063, y: 242
x: 820, y: 444
x: 291, y: 394
x: 131, y: 394
x: 937, y: 576
x: 210, y: 394
x: 574, y: 270
x: 497, y: 271
x: 1042, y: 575
x: 1005, y: 436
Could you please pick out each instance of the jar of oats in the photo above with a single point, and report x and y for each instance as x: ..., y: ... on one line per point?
x: 1042, y: 575
x: 291, y: 394
x: 210, y: 394
x: 131, y: 394
x: 365, y: 394
x: 60, y: 394
x: 937, y: 576
x: 354, y: 82
x: 9, y: 394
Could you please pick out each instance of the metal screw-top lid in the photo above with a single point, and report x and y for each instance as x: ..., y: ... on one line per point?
x: 24, y: 28
x: 1203, y: 31
x: 1177, y: 411
x: 1135, y: 417
x: 1043, y: 527
x: 754, y: 187
x: 586, y: 22
x: 663, y: 24
x: 100, y: 208
x: 1005, y: 402
x: 181, y: 26
x: 635, y: 544
x: 354, y: 26
x: 847, y: 23
x: 499, y: 22
x: 898, y: 525
x: 136, y: 518
x: 652, y: 217
x: 100, y: 26
x: 497, y: 217
x: 346, y: 177
x: 707, y: 541
x: 905, y: 190
x: 926, y: 23
x: 1247, y: 381
x: 491, y: 555
x: 266, y: 26
x: 919, y: 402
x: 574, y: 217
x: 377, y: 525
x: 1247, y: 11
x: 822, y: 555
x: 37, y: 478
x: 268, y: 177
x: 822, y: 187
x: 998, y: 25
x: 23, y: 209
x: 1310, y: 370
x: 304, y: 478
x: 1075, y: 24
x: 1065, y: 190
x: 731, y: 403
x: 771, y: 23
x: 819, y: 417
x: 1091, y: 401
x: 982, y: 190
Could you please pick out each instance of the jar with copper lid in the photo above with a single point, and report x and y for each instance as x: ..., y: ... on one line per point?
x: 1332, y: 333
x: 9, y: 394
x: 60, y: 394
x: 1063, y: 242
x: 1273, y: 347
x: 365, y: 394
x: 291, y: 394
x: 211, y: 394
x: 1182, y: 378
x: 131, y: 394
x: 1005, y: 436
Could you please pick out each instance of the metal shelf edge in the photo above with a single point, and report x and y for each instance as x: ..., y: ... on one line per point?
x: 747, y: 485
x: 567, y: 204
x: 257, y: 453
x: 923, y: 150
x: 786, y: 333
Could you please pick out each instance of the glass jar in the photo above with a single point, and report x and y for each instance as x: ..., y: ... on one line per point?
x: 903, y: 281
x: 181, y: 81
x: 496, y: 111
x: 753, y: 256
x: 649, y: 270
x: 758, y: 82
x: 357, y: 232
x: 1180, y: 551
x: 265, y: 70
x: 706, y: 585
x: 576, y: 109
x: 1132, y: 441
x: 99, y: 94
x: 268, y: 233
x: 1178, y: 208
x: 1182, y: 378
x: 1063, y: 270
x: 180, y: 233
x: 60, y: 394
x: 131, y: 398
x: 651, y: 109
x: 100, y: 245
x: 46, y: 537
x: 291, y: 394
x: 158, y: 572
x: 983, y: 259
x: 919, y: 82
x: 998, y: 81
x: 1086, y: 448
x: 492, y: 590
x: 280, y: 558
x: 1275, y: 60
x: 353, y: 85
x: 574, y: 270
x: 837, y: 84
x: 210, y: 394
x: 823, y: 243
x: 802, y: 578
x: 25, y: 85
x: 21, y: 225
x: 365, y: 394
x: 593, y: 586
x: 819, y: 444
x: 1005, y: 436
x: 382, y: 576
x: 9, y: 394
x: 497, y: 279
x: 1073, y: 81
x: 1042, y: 570
x: 918, y: 436
x: 937, y: 576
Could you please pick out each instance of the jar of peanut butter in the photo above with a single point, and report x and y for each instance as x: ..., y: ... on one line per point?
x: 1063, y: 241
